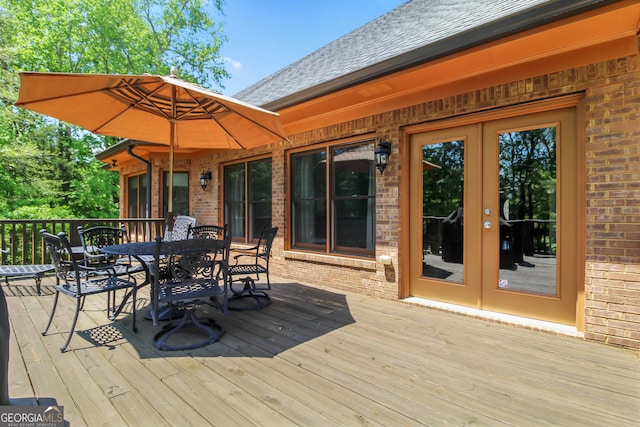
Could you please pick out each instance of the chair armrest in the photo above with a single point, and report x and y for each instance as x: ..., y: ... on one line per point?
x: 84, y: 270
x: 250, y: 252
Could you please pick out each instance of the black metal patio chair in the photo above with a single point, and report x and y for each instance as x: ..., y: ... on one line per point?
x: 180, y: 228
x: 93, y: 240
x: 195, y: 273
x: 246, y: 269
x: 78, y: 281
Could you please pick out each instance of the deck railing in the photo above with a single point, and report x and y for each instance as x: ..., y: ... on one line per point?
x: 24, y: 243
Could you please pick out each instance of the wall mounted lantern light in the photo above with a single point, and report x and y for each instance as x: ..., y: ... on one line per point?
x: 204, y: 179
x: 382, y: 155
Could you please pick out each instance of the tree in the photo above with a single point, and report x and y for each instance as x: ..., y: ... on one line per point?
x: 443, y: 179
x: 119, y: 36
x: 88, y: 36
x: 528, y: 172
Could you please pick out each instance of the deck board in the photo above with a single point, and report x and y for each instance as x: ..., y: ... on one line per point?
x: 316, y: 356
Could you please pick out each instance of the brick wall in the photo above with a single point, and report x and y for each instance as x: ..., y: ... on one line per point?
x: 613, y: 203
x: 612, y: 146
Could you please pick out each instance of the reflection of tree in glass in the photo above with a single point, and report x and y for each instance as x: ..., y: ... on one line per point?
x: 260, y: 180
x: 443, y: 177
x: 352, y: 169
x: 260, y: 214
x: 234, y: 199
x: 528, y: 173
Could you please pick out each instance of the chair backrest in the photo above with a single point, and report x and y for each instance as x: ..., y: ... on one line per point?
x: 267, y: 235
x: 180, y: 228
x: 190, y: 264
x: 59, y: 251
x: 95, y: 238
x: 216, y: 232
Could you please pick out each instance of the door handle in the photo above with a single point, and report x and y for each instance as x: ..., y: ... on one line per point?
x: 487, y: 225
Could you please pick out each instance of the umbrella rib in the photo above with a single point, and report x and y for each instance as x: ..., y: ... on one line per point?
x: 252, y: 121
x: 132, y: 102
x: 146, y: 97
x: 200, y: 105
x: 53, y: 98
x: 112, y: 118
x: 115, y: 92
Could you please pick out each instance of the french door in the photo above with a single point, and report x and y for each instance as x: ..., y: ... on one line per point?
x: 494, y: 215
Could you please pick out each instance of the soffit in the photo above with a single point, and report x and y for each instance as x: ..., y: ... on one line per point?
x: 147, y: 151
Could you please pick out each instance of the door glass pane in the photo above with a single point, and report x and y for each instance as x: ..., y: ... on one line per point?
x: 259, y: 196
x: 442, y: 210
x: 528, y: 211
x: 234, y: 199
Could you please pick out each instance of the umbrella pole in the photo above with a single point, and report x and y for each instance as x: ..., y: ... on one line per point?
x: 170, y: 204
x: 172, y: 143
x: 170, y: 193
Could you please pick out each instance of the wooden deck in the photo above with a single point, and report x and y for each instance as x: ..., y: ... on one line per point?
x: 317, y: 357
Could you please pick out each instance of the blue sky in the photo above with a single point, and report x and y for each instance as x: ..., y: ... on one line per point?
x: 267, y: 35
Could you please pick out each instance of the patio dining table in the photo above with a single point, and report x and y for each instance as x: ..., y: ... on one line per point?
x: 135, y: 249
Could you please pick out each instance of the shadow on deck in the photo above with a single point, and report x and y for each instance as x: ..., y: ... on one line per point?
x: 317, y: 356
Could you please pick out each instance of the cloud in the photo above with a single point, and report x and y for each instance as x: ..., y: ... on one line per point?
x: 236, y: 65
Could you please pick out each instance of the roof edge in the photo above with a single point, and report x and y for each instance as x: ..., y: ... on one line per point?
x: 121, y: 146
x: 533, y: 17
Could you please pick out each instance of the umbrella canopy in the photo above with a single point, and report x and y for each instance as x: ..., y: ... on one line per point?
x: 150, y: 108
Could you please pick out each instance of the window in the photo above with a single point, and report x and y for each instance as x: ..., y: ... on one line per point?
x: 247, y: 198
x: 348, y: 195
x: 180, y: 193
x: 137, y: 196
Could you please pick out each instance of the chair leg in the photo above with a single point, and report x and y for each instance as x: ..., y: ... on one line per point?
x: 112, y: 311
x: 134, y: 292
x: 79, y: 302
x: 39, y: 283
x: 111, y: 304
x: 53, y: 310
x: 125, y: 298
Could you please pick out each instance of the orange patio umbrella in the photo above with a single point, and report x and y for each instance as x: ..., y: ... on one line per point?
x: 150, y: 108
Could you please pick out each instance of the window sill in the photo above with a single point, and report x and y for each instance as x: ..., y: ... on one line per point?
x: 337, y: 260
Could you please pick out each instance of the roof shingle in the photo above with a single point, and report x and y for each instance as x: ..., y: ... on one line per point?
x: 441, y: 26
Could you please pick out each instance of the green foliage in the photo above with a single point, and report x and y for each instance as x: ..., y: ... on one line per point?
x: 119, y: 36
x: 42, y: 211
x: 92, y: 195
x: 528, y: 173
x: 47, y: 168
x: 443, y: 179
